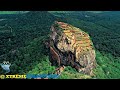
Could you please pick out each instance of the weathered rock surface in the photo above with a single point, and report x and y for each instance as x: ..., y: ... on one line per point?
x: 71, y: 46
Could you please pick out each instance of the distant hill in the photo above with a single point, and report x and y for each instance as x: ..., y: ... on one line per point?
x: 12, y: 12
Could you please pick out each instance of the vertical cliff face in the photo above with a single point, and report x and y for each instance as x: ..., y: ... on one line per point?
x: 71, y: 46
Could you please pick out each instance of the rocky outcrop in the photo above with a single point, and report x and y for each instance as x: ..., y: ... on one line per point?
x: 71, y: 46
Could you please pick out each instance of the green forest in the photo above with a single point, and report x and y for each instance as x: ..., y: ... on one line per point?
x: 22, y: 36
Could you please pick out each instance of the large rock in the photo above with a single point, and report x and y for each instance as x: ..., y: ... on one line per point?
x: 71, y: 46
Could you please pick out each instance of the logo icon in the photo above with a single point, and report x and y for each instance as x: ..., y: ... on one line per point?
x: 6, y: 66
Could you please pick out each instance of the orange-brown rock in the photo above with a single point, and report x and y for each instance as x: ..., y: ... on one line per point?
x: 71, y: 46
